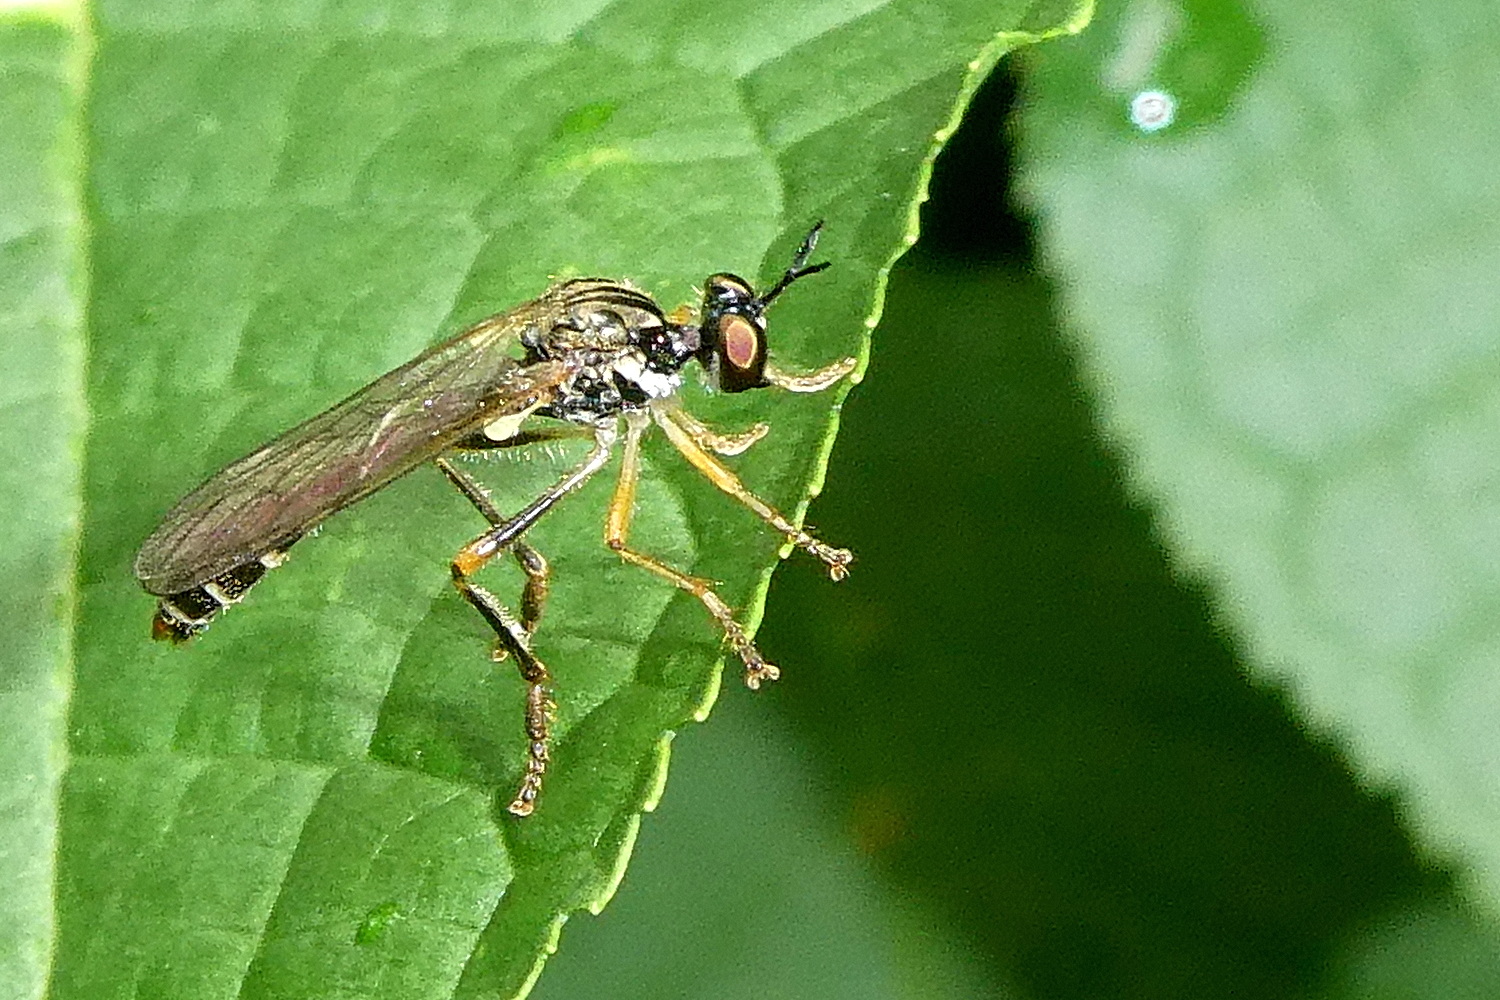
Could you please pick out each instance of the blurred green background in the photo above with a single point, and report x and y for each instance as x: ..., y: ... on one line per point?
x: 1017, y: 753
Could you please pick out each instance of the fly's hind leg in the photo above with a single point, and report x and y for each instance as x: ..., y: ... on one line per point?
x: 532, y: 563
x: 514, y: 641
x: 616, y: 535
x: 514, y: 636
x: 538, y: 585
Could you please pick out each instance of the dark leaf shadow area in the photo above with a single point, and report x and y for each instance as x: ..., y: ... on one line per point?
x: 1038, y: 727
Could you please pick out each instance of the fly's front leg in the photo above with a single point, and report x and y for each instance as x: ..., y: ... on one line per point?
x: 513, y: 635
x: 815, y: 381
x: 617, y: 533
x: 837, y: 560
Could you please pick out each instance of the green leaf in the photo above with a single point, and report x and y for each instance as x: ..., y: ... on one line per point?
x: 1288, y: 315
x: 283, y: 202
x: 43, y: 289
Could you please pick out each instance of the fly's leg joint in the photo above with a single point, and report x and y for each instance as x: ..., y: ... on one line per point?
x: 472, y: 558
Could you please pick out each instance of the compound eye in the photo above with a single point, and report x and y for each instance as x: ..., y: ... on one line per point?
x: 739, y: 341
x: 741, y: 353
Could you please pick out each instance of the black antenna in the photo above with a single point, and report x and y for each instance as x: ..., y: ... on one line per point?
x: 799, y: 268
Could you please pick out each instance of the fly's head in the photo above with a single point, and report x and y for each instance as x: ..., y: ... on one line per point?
x: 732, y: 324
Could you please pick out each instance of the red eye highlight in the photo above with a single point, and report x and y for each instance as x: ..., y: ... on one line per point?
x: 740, y: 339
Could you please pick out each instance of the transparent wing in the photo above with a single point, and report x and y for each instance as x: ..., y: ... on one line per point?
x: 269, y: 498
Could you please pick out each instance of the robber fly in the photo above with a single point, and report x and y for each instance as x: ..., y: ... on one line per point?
x: 589, y: 357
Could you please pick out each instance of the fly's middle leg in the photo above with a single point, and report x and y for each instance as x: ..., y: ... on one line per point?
x: 515, y: 641
x: 616, y: 536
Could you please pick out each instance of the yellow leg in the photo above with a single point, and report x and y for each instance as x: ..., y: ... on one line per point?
x: 837, y: 560
x: 617, y: 532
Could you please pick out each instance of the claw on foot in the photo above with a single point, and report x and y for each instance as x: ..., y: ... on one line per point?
x: 838, y: 564
x: 540, y: 712
x: 758, y: 672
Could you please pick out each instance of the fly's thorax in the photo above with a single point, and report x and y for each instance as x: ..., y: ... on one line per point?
x: 622, y: 350
x: 653, y: 380
x: 606, y: 384
x: 593, y: 314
